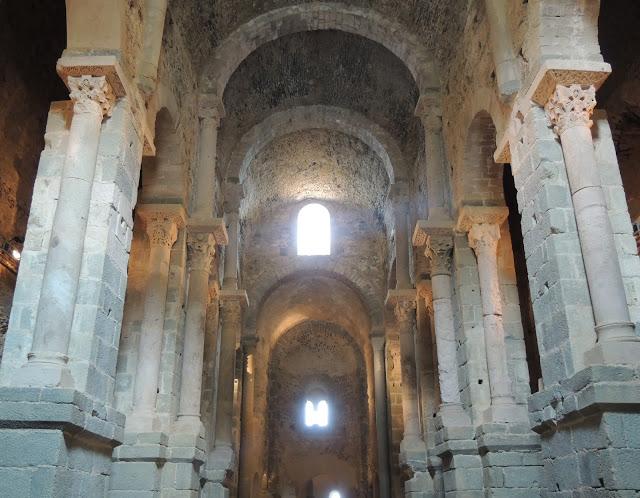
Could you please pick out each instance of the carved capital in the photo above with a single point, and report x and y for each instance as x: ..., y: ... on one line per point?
x: 91, y: 94
x: 249, y: 343
x: 484, y: 236
x: 439, y: 251
x: 403, y: 310
x: 201, y: 248
x: 571, y: 106
x: 162, y: 231
x: 231, y: 310
x: 425, y: 292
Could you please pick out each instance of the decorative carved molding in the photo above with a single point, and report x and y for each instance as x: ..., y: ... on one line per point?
x: 475, y: 215
x: 425, y: 292
x: 571, y: 106
x: 201, y: 248
x: 403, y: 310
x: 91, y: 94
x: 484, y: 236
x: 162, y: 222
x: 439, y: 251
x: 210, y: 106
x: 429, y: 110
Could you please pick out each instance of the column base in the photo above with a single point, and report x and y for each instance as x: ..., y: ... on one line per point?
x: 189, y: 424
x: 138, y: 465
x: 614, y: 353
x: 221, y: 465
x: 413, y: 455
x: 143, y: 422
x: 45, y: 370
x: 505, y: 414
x: 452, y: 415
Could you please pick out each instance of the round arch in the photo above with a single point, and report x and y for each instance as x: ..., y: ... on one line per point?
x: 311, y: 117
x: 318, y: 16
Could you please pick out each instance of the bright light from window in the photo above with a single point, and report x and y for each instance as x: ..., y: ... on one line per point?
x: 316, y: 415
x: 335, y: 494
x: 314, y: 231
x: 16, y: 254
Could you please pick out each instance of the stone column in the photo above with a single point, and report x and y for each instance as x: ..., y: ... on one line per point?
x: 412, y: 447
x: 384, y: 483
x: 162, y: 223
x: 504, y: 58
x: 569, y: 110
x: 483, y: 227
x: 211, y: 112
x: 439, y: 251
x: 47, y: 361
x: 248, y: 443
x: 400, y: 204
x: 201, y: 250
x: 231, y: 304
x: 430, y: 113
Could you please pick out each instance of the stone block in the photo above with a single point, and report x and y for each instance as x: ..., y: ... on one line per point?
x: 135, y: 476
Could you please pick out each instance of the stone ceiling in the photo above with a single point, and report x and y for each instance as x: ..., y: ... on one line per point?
x: 437, y: 22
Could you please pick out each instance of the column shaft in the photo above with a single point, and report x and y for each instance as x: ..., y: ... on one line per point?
x: 483, y: 239
x: 93, y: 99
x: 247, y: 448
x: 231, y: 327
x: 410, y: 408
x: 162, y: 231
x: 205, y: 174
x: 231, y: 256
x: 201, y: 251
x: 380, y: 394
x: 507, y: 70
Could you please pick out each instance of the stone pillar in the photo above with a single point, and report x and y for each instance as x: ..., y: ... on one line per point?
x: 147, y: 73
x: 384, y: 483
x: 569, y: 110
x: 504, y: 58
x: 483, y: 227
x: 439, y: 251
x: 201, y: 250
x: 248, y: 442
x: 47, y: 360
x: 400, y: 204
x: 211, y: 112
x: 162, y: 224
x: 412, y: 447
x: 430, y: 113
x: 223, y: 460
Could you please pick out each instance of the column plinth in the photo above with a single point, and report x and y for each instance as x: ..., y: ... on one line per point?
x: 570, y: 109
x: 47, y: 361
x: 162, y: 224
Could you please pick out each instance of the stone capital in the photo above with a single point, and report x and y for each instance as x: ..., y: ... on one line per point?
x: 476, y: 215
x: 233, y: 296
x: 91, y: 94
x: 210, y: 107
x: 162, y: 222
x: 437, y: 239
x: 249, y: 343
x: 109, y: 67
x: 214, y: 226
x: 429, y: 110
x: 377, y: 342
x: 201, y: 248
x: 403, y: 302
x: 398, y: 194
x: 571, y: 106
x: 484, y: 236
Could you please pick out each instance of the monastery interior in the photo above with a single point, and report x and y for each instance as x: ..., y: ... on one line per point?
x: 306, y: 249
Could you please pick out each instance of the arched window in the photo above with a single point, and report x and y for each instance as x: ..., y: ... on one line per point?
x: 316, y: 413
x: 314, y: 231
x: 335, y: 494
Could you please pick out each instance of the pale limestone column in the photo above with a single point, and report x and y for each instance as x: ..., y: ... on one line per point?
x: 483, y: 227
x: 201, y: 250
x: 570, y: 109
x: 211, y: 112
x: 412, y: 447
x: 380, y: 393
x: 439, y: 251
x: 248, y: 443
x: 162, y: 224
x: 504, y: 57
x: 47, y: 361
x: 398, y: 197
x: 430, y: 113
x: 231, y: 304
